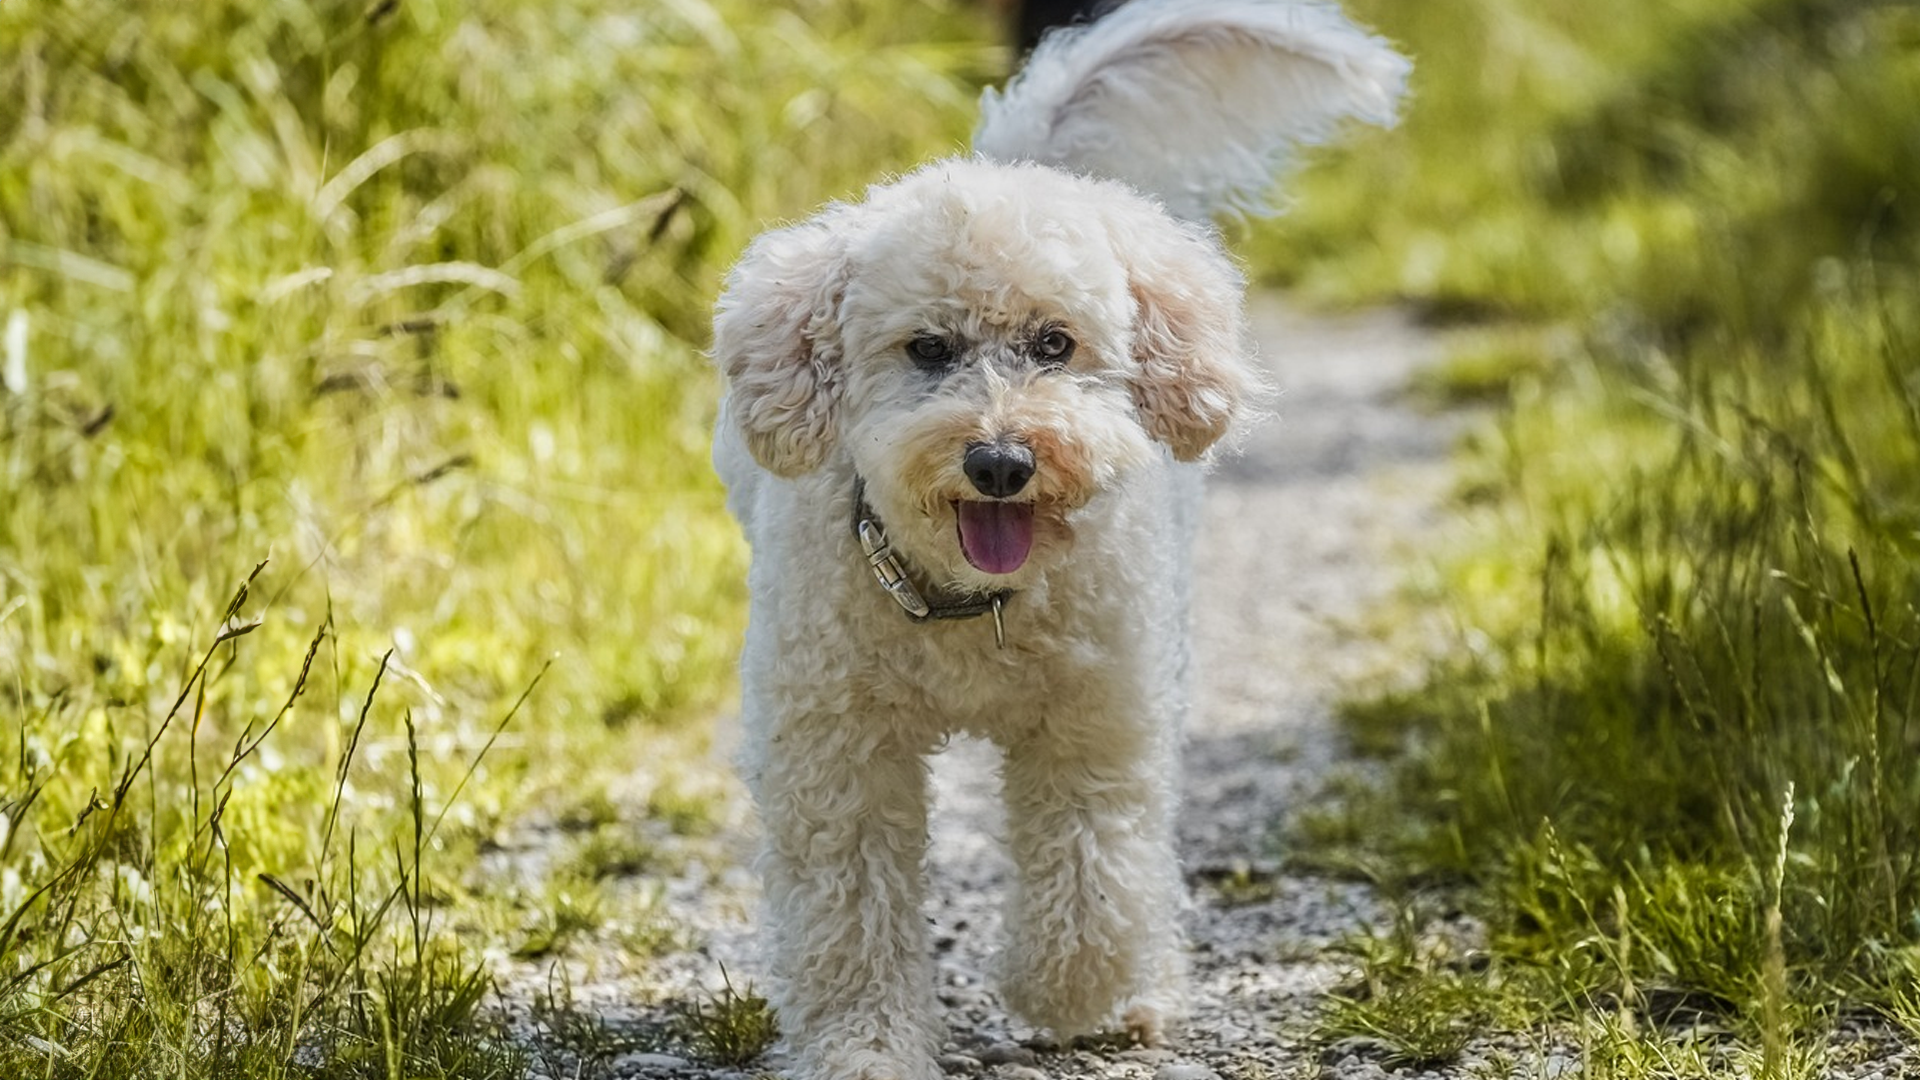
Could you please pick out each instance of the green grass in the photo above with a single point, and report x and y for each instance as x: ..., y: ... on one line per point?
x: 1673, y: 169
x: 1670, y: 752
x: 406, y: 302
x: 732, y: 1027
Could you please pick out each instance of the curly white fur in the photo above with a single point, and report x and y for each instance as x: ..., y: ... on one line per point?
x: 842, y: 697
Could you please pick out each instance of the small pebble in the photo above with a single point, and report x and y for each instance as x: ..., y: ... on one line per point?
x: 1007, y: 1053
x: 633, y: 1064
x: 1183, y: 1071
x: 1147, y: 1055
x: 1350, y: 1051
x: 1019, y: 1072
x: 1231, y: 1034
x: 957, y: 1063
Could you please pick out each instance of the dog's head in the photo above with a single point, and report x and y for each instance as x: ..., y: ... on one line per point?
x: 992, y: 345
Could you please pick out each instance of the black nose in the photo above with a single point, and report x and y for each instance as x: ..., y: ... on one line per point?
x: 998, y: 469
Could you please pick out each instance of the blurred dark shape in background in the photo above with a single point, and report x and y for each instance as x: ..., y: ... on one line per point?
x: 1033, y: 18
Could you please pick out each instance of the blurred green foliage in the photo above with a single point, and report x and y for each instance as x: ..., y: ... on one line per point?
x: 1709, y: 166
x: 1686, y: 597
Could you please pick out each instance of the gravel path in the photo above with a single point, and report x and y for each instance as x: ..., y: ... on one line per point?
x: 1297, y: 542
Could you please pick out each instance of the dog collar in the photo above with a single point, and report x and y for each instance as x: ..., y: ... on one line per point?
x: 891, y: 573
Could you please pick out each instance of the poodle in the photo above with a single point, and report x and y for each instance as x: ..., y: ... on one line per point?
x: 964, y: 426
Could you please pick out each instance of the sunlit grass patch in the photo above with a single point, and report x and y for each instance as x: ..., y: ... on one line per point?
x: 611, y: 851
x: 732, y: 1027
x: 686, y: 811
x: 1492, y: 366
x: 1669, y: 747
x: 1668, y: 623
x: 1418, y: 998
x: 1673, y: 165
x: 137, y: 942
x: 566, y: 908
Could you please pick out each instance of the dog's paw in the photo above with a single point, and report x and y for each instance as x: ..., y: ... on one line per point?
x: 1070, y: 987
x: 1145, y: 1025
x: 865, y: 1062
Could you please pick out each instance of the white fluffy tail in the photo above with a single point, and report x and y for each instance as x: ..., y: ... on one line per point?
x: 1197, y: 102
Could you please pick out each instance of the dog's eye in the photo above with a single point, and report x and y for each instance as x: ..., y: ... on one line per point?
x: 1054, y: 347
x: 930, y: 351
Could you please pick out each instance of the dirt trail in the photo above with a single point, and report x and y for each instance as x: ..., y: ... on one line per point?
x: 1297, y: 541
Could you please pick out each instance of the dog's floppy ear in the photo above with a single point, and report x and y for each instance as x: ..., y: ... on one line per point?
x: 776, y: 336
x: 1191, y: 346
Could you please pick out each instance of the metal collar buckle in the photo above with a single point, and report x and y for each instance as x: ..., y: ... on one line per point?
x: 893, y: 578
x: 888, y: 571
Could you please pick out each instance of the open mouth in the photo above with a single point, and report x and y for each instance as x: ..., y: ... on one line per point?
x: 996, y: 537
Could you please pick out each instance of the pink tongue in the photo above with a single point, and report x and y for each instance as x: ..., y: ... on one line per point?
x: 996, y: 536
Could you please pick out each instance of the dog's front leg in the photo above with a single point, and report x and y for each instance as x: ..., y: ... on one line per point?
x: 1093, y: 919
x: 846, y: 839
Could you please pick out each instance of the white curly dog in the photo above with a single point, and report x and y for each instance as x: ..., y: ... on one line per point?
x: 963, y: 429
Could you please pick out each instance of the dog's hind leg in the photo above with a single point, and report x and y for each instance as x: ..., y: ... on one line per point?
x: 846, y: 837
x: 1093, y: 918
